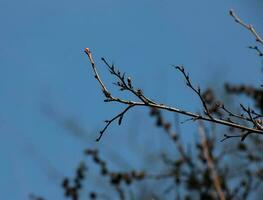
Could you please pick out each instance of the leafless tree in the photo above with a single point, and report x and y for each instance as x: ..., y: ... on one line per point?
x: 209, y: 173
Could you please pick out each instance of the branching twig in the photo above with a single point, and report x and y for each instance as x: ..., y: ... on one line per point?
x: 197, y: 91
x: 119, y: 116
x: 146, y: 102
x: 255, y: 122
x: 122, y: 83
x: 231, y: 114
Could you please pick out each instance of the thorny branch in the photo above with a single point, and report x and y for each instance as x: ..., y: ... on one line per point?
x: 126, y: 84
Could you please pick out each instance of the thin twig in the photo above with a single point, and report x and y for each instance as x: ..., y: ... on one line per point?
x: 119, y: 116
x: 255, y: 122
x: 230, y: 136
x: 197, y: 91
x: 231, y: 114
x: 260, y: 53
x: 247, y: 26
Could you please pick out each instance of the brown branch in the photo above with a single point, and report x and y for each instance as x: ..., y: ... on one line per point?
x: 104, y: 89
x: 247, y: 26
x: 160, y: 121
x: 210, y: 163
x: 122, y: 83
x: 197, y: 91
x: 231, y: 114
x: 119, y: 116
x: 255, y: 122
x: 149, y: 103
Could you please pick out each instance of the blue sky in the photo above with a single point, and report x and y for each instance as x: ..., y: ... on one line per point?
x: 45, y: 77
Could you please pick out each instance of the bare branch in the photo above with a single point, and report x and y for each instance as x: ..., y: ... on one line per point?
x: 197, y: 91
x: 160, y: 121
x: 255, y: 122
x: 146, y: 102
x: 119, y: 116
x: 230, y: 136
x: 104, y: 89
x: 125, y: 85
x: 247, y: 26
x: 210, y: 163
x: 231, y: 114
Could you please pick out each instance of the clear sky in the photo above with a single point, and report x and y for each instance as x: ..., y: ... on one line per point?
x: 47, y: 90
